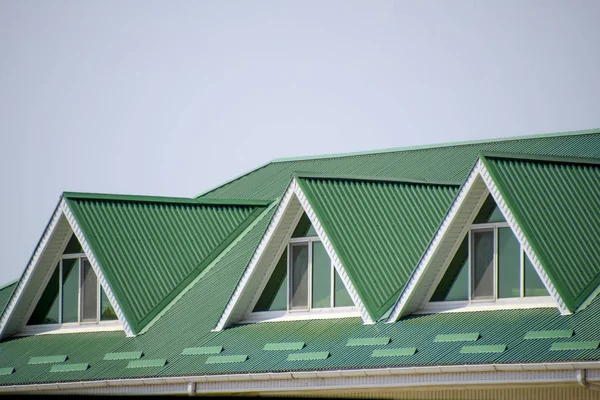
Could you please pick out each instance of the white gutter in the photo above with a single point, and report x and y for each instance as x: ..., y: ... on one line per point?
x: 451, y: 375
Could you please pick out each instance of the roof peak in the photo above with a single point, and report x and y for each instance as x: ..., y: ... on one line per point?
x: 438, y: 145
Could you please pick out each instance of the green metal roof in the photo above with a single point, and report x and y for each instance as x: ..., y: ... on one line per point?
x: 188, y: 323
x: 556, y: 203
x: 150, y: 250
x: 437, y: 163
x: 5, y: 293
x: 379, y: 230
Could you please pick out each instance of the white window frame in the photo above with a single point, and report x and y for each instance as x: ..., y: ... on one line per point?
x: 494, y: 303
x: 80, y: 325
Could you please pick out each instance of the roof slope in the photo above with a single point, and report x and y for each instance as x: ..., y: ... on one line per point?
x: 5, y: 293
x: 556, y: 203
x: 150, y: 249
x: 444, y: 163
x: 379, y: 229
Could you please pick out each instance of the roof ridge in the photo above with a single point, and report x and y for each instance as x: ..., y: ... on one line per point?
x: 438, y: 145
x: 316, y: 175
x: 163, y: 199
x: 545, y: 158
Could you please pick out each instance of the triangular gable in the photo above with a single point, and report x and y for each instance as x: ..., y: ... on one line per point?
x: 556, y: 201
x: 250, y: 287
x: 151, y: 248
x: 448, y: 239
x: 379, y: 229
x: 30, y: 286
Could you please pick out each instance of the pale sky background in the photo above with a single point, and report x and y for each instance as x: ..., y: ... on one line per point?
x: 174, y: 97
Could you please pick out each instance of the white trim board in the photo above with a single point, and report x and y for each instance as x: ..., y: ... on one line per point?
x: 40, y: 267
x: 269, y: 250
x: 447, y: 239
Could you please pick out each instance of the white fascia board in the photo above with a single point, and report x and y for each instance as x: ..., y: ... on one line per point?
x: 293, y: 191
x: 479, y: 172
x: 233, y: 303
x: 96, y: 267
x: 522, y: 240
x: 445, y: 375
x: 26, y: 277
x: 332, y: 254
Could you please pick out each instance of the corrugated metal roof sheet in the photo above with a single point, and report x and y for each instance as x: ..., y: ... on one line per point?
x: 149, y: 251
x: 556, y: 204
x: 5, y: 293
x: 438, y: 164
x: 379, y: 230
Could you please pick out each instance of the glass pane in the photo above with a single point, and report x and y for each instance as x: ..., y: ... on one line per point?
x: 321, y: 277
x: 509, y: 264
x: 70, y: 294
x: 89, y: 297
x: 274, y: 295
x: 304, y: 228
x: 533, y: 284
x: 106, y: 311
x: 454, y: 286
x: 482, y: 264
x: 299, y: 281
x: 489, y: 212
x: 342, y: 297
x: 73, y: 247
x: 46, y: 311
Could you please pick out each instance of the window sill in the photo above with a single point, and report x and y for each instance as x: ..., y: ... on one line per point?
x: 500, y: 304
x: 51, y: 329
x: 275, y: 316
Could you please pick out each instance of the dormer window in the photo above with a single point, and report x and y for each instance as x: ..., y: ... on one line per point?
x: 489, y: 268
x: 73, y: 295
x: 304, y: 280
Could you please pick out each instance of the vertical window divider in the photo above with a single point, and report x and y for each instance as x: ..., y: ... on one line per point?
x: 98, y: 299
x: 470, y: 265
x: 522, y: 260
x: 310, y: 273
x: 496, y: 245
x: 60, y: 290
x: 332, y: 299
x: 289, y: 275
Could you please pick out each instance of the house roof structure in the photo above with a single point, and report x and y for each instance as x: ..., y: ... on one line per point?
x: 174, y: 265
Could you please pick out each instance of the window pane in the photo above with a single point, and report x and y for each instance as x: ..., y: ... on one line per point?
x: 304, y: 228
x: 454, y: 286
x: 533, y: 284
x: 46, y: 311
x: 489, y: 212
x: 89, y: 298
x: 106, y: 311
x: 483, y: 264
x: 70, y: 294
x: 342, y: 297
x: 73, y: 247
x: 299, y: 281
x: 274, y: 295
x: 321, y: 277
x: 509, y: 264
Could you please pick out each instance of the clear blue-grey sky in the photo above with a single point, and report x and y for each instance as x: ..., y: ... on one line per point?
x: 173, y: 97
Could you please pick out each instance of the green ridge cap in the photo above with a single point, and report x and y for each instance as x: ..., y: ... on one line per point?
x: 457, y: 337
x: 284, y: 346
x: 320, y: 355
x: 126, y: 355
x: 47, y: 359
x: 405, y: 351
x: 499, y: 348
x: 164, y: 200
x: 368, y: 341
x: 549, y: 334
x: 146, y: 363
x: 70, y: 367
x: 574, y: 346
x: 7, y: 371
x: 361, y: 178
x: 226, y: 359
x: 193, y: 351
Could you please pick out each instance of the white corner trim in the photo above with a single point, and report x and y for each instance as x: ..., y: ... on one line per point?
x: 26, y: 277
x: 522, y: 240
x: 424, y: 264
x: 96, y: 267
x: 256, y: 257
x: 332, y: 254
x: 479, y: 170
